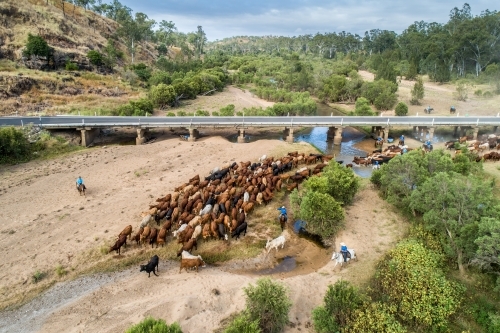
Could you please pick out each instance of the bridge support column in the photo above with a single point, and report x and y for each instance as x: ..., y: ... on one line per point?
x: 495, y: 129
x: 289, y: 135
x: 141, y: 136
x: 474, y: 135
x: 455, y: 131
x: 330, y: 134
x: 88, y: 135
x: 423, y: 133
x: 337, y: 139
x: 386, y: 134
x: 241, y: 136
x: 193, y: 134
x: 415, y: 130
x: 431, y: 133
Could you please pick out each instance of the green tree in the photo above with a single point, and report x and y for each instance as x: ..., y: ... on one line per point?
x: 151, y: 325
x: 324, y: 215
x: 36, y: 46
x: 269, y: 303
x: 243, y: 324
x: 488, y: 244
x: 227, y: 111
x: 162, y: 95
x: 340, y: 303
x: 159, y: 77
x: 386, y: 71
x: 401, y: 109
x: 363, y: 107
x: 14, y: 146
x: 414, y: 288
x: 452, y: 204
x: 342, y: 182
x: 417, y: 93
x: 95, y: 57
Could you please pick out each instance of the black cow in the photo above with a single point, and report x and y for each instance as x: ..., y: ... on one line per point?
x: 151, y: 265
x: 221, y: 230
x: 241, y: 228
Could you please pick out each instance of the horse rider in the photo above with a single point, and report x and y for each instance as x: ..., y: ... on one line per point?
x: 79, y: 181
x: 282, y: 210
x: 402, y: 140
x: 345, y: 253
x: 428, y: 143
x: 377, y: 166
x: 404, y: 151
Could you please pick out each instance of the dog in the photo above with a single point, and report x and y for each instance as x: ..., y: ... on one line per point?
x: 150, y: 266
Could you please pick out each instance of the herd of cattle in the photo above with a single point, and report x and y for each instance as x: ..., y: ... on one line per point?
x: 217, y: 205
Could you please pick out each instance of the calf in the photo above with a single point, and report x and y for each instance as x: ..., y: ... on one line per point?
x: 151, y: 265
x: 241, y: 228
x: 127, y: 231
x: 275, y: 243
x: 188, y: 246
x: 190, y: 263
x: 118, y: 244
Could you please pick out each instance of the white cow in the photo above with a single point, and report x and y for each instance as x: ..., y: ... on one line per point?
x: 206, y: 210
x: 246, y: 197
x: 275, y: 243
x: 262, y: 159
x: 145, y: 221
x: 339, y: 258
x: 181, y: 228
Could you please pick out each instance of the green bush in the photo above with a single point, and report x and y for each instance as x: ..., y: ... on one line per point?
x: 159, y: 77
x: 342, y: 182
x: 37, y: 46
x: 227, y: 111
x: 151, y: 325
x: 363, y: 107
x: 14, y: 146
x: 268, y: 303
x: 202, y: 113
x: 170, y: 114
x: 71, y: 66
x: 243, y: 324
x: 401, y: 109
x: 415, y: 289
x: 478, y: 92
x: 215, y: 114
x: 374, y: 318
x: 95, y: 57
x: 162, y: 95
x: 340, y: 302
x: 324, y: 215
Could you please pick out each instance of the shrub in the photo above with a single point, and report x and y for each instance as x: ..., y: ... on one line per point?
x: 487, y: 94
x: 202, y: 113
x: 159, y: 77
x: 37, y: 46
x: 269, y: 304
x: 414, y: 288
x: 151, y: 325
x: 324, y: 215
x: 340, y: 302
x: 170, y: 114
x: 401, y: 109
x: 342, y: 182
x: 14, y: 146
x: 374, y: 318
x: 227, y: 111
x: 363, y: 107
x: 71, y: 66
x: 60, y: 271
x: 243, y: 324
x: 215, y: 114
x: 162, y: 95
x: 38, y: 276
x: 478, y: 92
x: 95, y: 57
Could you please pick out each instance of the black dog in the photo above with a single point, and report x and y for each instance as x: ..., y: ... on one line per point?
x: 150, y: 266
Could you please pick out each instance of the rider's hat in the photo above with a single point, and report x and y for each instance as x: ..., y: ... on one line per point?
x: 342, y: 244
x: 282, y: 206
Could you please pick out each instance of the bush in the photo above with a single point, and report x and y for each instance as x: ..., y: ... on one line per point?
x: 414, y: 287
x: 243, y: 324
x: 95, y: 57
x: 269, y: 304
x: 170, y: 114
x: 159, y: 77
x: 340, y: 302
x: 38, y: 276
x: 14, y: 146
x: 227, y: 111
x: 202, y: 113
x: 478, y: 92
x: 151, y: 325
x: 342, y: 182
x: 71, y: 66
x: 374, y: 318
x: 162, y: 95
x: 324, y: 215
x: 401, y: 109
x: 37, y: 46
x: 363, y: 107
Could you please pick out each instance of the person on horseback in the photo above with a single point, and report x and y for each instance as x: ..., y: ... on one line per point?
x: 282, y: 209
x: 402, y: 140
x: 344, y: 251
x: 79, y: 181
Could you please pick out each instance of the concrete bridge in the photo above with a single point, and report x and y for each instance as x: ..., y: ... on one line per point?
x: 380, y: 126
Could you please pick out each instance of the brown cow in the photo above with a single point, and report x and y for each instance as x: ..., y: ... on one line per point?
x: 188, y: 246
x: 127, y: 231
x: 122, y: 240
x: 190, y: 263
x: 153, y: 236
x: 162, y: 236
x: 145, y: 234
x: 137, y: 236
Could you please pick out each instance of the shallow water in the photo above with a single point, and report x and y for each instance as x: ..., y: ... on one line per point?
x: 286, y: 264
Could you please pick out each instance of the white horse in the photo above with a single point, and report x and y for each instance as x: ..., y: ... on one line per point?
x: 339, y: 258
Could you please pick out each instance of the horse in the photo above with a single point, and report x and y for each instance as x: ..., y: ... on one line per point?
x: 282, y: 221
x: 339, y: 258
x: 379, y: 143
x: 81, y: 189
x: 428, y: 109
x: 452, y: 110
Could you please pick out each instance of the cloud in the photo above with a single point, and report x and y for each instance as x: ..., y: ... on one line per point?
x: 222, y: 19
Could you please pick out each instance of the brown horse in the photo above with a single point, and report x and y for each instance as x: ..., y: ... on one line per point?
x: 282, y: 222
x: 81, y: 189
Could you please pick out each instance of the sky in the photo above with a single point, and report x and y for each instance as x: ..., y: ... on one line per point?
x: 223, y: 18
